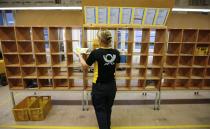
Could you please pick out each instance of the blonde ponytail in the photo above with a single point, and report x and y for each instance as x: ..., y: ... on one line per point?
x: 104, y: 36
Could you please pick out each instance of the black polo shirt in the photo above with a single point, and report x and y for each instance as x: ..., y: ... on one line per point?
x: 105, y: 60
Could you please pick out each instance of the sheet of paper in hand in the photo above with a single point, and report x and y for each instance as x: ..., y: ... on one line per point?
x: 83, y: 50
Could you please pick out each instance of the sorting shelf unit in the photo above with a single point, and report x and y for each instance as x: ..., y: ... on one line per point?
x: 140, y: 67
x: 35, y: 58
x: 164, y: 58
x: 187, y: 59
x: 10, y: 55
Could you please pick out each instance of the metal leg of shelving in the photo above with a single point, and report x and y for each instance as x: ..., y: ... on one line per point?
x: 144, y: 93
x: 196, y: 93
x: 83, y: 100
x: 35, y: 93
x: 159, y: 99
x: 86, y: 99
x: 1, y: 80
x: 12, y: 98
x: 156, y: 100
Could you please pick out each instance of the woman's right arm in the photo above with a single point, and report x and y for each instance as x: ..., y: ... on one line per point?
x: 90, y: 60
x: 82, y: 61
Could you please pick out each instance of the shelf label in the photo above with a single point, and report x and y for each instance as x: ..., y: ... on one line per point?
x: 138, y: 15
x: 114, y: 15
x: 126, y: 15
x: 102, y: 15
x: 161, y: 18
x: 150, y: 16
x: 90, y: 15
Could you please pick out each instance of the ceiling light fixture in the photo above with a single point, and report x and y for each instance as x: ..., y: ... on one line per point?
x: 80, y: 8
x: 42, y: 8
x: 190, y: 10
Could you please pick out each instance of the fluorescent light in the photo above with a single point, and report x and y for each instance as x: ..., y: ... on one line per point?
x: 190, y: 10
x: 80, y: 8
x: 42, y: 8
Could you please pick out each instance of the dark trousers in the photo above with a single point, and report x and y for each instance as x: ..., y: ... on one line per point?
x: 103, y: 95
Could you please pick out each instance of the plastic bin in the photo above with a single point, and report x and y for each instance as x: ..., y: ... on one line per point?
x: 39, y: 109
x: 20, y: 111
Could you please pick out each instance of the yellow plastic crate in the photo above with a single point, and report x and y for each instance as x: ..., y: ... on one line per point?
x: 39, y: 109
x: 21, y: 110
x: 2, y: 68
x: 201, y: 51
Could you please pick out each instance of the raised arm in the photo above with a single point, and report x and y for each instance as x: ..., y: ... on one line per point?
x: 82, y: 61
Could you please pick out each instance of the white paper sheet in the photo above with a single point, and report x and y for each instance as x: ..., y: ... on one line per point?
x: 126, y: 16
x: 138, y: 15
x: 102, y: 15
x: 150, y: 15
x: 114, y: 15
x: 90, y: 15
x: 161, y: 16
